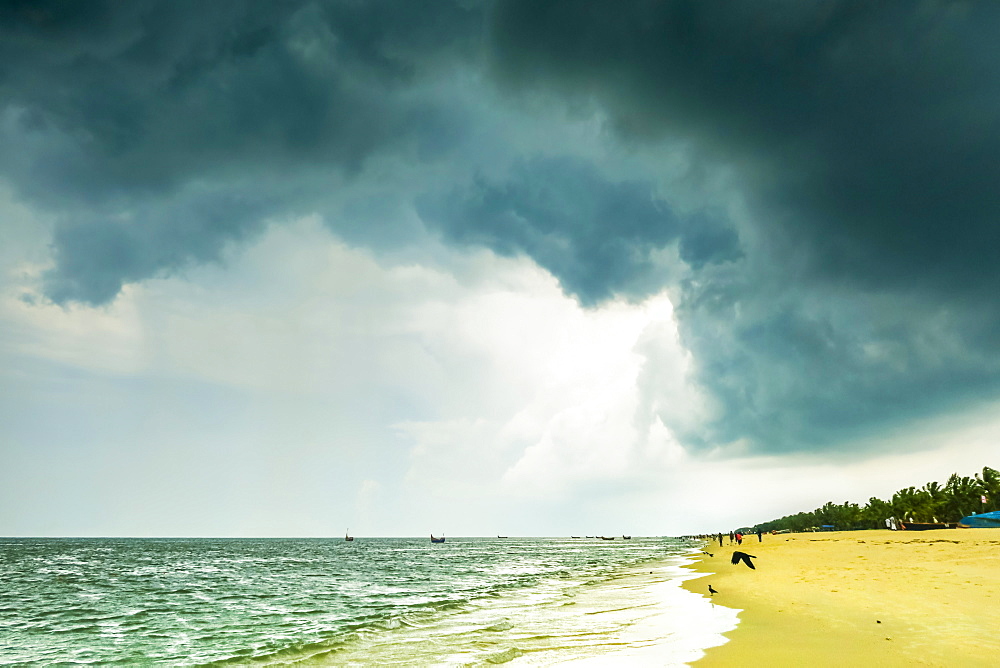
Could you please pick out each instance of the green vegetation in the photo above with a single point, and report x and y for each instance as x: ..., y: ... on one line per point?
x: 957, y: 498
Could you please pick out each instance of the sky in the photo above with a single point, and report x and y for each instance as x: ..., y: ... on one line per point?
x: 474, y: 268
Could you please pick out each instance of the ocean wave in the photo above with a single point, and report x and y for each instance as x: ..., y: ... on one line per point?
x: 291, y: 653
x: 82, y: 628
x: 247, y: 602
x: 505, y: 656
x: 501, y: 625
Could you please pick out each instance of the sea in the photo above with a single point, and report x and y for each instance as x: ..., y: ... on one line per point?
x: 370, y: 602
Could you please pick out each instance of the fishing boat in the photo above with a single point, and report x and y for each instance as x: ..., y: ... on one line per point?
x: 627, y: 537
x: 990, y: 520
x: 347, y: 536
x: 437, y: 540
x: 925, y: 526
x: 607, y: 537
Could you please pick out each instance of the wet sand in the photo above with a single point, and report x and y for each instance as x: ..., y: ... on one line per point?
x: 864, y: 598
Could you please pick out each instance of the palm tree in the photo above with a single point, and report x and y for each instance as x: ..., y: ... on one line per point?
x: 963, y: 496
x: 905, y: 504
x: 876, y: 512
x: 934, y: 498
x: 958, y: 497
x: 990, y: 484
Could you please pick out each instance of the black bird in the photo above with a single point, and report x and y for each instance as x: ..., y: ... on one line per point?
x: 745, y: 558
x: 708, y: 553
x: 712, y: 591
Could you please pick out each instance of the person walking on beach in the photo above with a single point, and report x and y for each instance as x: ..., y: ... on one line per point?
x: 720, y: 539
x: 759, y: 539
x: 730, y: 537
x: 739, y: 538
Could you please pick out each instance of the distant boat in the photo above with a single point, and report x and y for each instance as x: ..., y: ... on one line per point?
x: 990, y: 520
x: 437, y: 540
x: 589, y: 536
x: 574, y: 536
x: 501, y: 536
x: 607, y: 537
x: 627, y: 537
x: 347, y: 536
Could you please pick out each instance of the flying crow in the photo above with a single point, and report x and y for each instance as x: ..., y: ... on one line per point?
x: 745, y: 558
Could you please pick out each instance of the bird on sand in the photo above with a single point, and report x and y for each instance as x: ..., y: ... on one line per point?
x: 712, y: 591
x: 745, y: 558
x: 708, y: 553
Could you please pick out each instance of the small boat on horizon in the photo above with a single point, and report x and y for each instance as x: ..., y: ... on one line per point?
x: 347, y: 536
x: 437, y: 540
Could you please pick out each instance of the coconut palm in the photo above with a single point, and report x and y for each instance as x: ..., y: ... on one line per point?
x: 905, y: 504
x: 934, y: 502
x: 963, y: 496
x: 876, y: 512
x: 989, y: 481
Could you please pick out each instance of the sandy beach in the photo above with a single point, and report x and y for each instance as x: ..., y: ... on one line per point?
x: 859, y: 598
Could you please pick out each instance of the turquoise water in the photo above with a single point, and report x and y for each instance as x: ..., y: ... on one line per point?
x: 387, y: 601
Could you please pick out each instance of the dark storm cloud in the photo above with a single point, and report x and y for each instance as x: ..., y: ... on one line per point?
x: 812, y: 368
x: 95, y: 256
x: 596, y: 236
x: 119, y: 107
x: 856, y: 291
x: 866, y: 131
x: 863, y: 136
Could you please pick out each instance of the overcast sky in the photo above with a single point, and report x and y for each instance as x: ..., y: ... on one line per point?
x: 477, y: 268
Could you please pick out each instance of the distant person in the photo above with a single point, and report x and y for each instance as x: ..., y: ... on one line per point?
x: 759, y: 539
x: 730, y: 537
x: 720, y: 539
x: 739, y: 538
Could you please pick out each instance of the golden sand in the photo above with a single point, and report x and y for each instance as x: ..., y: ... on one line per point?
x: 859, y: 598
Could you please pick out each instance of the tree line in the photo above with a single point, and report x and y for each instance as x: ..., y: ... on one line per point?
x: 959, y: 497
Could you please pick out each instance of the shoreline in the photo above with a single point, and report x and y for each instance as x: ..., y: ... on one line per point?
x: 643, y: 601
x: 633, y: 615
x: 886, y: 598
x: 636, y: 615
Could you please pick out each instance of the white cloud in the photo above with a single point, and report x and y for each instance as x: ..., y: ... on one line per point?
x: 467, y: 394
x: 470, y: 375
